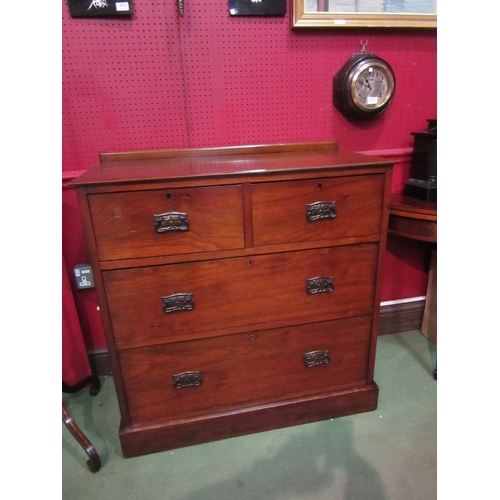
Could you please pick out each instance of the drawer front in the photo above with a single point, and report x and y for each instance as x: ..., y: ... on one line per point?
x: 244, y: 369
x: 316, y: 210
x: 166, y: 222
x: 278, y: 289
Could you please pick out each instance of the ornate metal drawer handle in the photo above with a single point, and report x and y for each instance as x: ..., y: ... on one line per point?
x: 319, y: 285
x: 171, y: 221
x: 178, y: 302
x: 187, y: 379
x: 315, y: 358
x: 321, y: 210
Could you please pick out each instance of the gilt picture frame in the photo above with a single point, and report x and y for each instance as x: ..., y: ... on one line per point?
x: 364, y: 14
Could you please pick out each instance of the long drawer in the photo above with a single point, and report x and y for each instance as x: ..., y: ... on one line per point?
x: 180, y: 301
x: 187, y: 379
x: 167, y: 221
x: 317, y: 209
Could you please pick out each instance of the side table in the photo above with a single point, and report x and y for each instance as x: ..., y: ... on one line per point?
x: 413, y: 218
x: 417, y: 220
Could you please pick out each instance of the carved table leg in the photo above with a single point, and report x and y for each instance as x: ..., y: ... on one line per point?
x: 94, y: 462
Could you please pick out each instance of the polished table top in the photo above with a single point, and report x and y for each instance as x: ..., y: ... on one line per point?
x: 413, y: 218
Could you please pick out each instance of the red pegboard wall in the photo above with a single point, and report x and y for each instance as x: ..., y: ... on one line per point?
x: 208, y: 79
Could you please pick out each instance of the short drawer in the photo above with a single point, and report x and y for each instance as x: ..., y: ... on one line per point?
x: 316, y: 210
x: 187, y: 379
x: 166, y: 222
x: 181, y: 301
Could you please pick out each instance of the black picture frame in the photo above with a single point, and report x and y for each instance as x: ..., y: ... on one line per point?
x: 257, y: 7
x: 100, y: 8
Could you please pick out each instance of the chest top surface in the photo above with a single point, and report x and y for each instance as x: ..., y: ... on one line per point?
x: 227, y: 162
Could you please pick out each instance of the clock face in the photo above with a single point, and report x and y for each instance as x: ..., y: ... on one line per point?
x: 372, y: 86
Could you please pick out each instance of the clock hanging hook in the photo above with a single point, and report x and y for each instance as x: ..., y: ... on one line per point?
x: 363, y: 46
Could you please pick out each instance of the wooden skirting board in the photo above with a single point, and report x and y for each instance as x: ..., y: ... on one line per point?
x: 394, y: 318
x: 401, y: 317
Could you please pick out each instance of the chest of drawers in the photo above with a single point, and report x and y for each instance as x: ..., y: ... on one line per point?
x: 239, y: 287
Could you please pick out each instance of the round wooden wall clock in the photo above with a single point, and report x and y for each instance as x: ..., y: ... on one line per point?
x: 364, y: 86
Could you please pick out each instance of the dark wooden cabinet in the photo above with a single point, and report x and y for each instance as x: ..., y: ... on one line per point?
x: 239, y: 287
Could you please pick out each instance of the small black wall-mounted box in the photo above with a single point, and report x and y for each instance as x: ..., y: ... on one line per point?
x: 257, y: 7
x: 100, y: 8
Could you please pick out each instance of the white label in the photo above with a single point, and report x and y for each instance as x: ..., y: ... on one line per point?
x: 371, y: 100
x: 339, y: 21
x: 122, y: 6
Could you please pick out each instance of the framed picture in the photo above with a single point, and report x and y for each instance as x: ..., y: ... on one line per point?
x: 364, y: 13
x: 100, y: 8
x: 257, y: 7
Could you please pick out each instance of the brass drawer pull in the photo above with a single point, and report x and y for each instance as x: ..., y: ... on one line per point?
x: 178, y: 302
x: 171, y: 221
x: 321, y: 210
x: 319, y: 285
x: 187, y: 379
x: 315, y: 358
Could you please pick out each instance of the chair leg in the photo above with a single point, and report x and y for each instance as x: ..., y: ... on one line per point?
x: 94, y: 462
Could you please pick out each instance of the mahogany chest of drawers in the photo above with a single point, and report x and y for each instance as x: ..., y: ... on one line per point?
x: 239, y: 287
